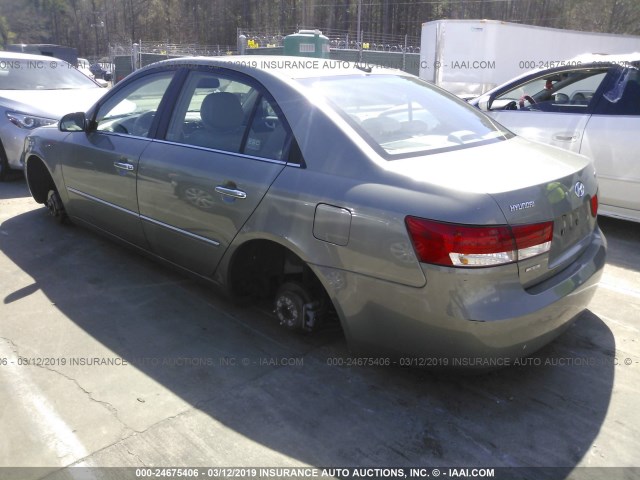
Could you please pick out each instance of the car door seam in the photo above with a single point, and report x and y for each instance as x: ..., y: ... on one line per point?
x: 143, y: 217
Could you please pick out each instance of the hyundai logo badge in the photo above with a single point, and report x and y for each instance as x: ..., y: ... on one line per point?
x: 579, y: 189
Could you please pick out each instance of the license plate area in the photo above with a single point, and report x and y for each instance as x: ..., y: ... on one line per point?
x: 572, y: 226
x: 569, y: 229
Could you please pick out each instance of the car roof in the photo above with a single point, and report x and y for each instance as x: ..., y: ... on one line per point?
x: 27, y: 56
x: 606, y: 58
x: 285, y: 66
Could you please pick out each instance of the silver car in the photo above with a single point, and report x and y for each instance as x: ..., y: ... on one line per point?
x: 591, y: 105
x: 348, y: 192
x: 36, y: 90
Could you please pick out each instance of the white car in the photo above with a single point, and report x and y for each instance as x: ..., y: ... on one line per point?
x: 83, y: 66
x: 590, y: 106
x: 36, y: 90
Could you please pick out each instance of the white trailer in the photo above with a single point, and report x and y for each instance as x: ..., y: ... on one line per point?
x: 469, y: 57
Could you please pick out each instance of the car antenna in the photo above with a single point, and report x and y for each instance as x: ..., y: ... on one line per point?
x: 364, y: 68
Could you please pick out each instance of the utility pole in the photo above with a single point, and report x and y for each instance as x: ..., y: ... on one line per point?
x: 281, y: 17
x: 358, y: 36
x: 304, y: 14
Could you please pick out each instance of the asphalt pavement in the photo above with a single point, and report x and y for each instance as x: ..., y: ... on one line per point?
x: 108, y: 359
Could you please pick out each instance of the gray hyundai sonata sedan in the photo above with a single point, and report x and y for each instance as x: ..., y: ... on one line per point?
x: 337, y: 191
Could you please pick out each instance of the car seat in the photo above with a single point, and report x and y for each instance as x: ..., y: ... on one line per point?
x: 222, y: 121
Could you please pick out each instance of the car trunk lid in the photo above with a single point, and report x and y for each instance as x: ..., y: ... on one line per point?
x: 568, y: 204
x: 532, y: 184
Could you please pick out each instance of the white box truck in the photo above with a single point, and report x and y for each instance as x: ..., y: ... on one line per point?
x: 469, y: 57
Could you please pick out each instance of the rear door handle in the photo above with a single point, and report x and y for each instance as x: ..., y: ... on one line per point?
x: 124, y: 166
x: 565, y: 137
x: 230, y: 192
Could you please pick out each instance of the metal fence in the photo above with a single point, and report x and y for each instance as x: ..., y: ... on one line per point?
x: 338, y: 39
x: 395, y: 51
x: 128, y: 58
x: 184, y: 50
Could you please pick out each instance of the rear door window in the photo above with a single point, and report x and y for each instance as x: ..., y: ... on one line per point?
x: 223, y: 113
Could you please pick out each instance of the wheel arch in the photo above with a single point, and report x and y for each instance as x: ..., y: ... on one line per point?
x: 39, y: 178
x: 267, y: 255
x: 4, y: 162
x: 259, y: 266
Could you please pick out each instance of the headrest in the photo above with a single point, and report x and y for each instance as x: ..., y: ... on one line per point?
x: 221, y: 110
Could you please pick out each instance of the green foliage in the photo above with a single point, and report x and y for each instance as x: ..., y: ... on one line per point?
x: 92, y: 25
x: 6, y: 36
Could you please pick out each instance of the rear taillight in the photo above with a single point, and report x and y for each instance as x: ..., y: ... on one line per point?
x: 532, y: 240
x: 477, y: 246
x: 594, y: 205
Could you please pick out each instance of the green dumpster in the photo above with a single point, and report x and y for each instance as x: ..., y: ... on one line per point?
x: 307, y: 43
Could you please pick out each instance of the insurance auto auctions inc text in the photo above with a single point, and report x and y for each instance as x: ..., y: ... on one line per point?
x: 313, y: 472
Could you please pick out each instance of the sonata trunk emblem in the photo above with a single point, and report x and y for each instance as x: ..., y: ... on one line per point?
x: 579, y: 189
x: 522, y: 206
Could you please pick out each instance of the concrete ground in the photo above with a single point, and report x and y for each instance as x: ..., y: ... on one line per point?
x: 109, y: 359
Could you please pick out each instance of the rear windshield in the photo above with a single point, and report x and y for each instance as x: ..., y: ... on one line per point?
x: 404, y: 116
x: 41, y: 75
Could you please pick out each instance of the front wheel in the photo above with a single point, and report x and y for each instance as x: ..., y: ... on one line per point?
x: 55, y: 206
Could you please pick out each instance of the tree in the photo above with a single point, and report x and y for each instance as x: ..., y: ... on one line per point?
x: 91, y: 25
x: 6, y: 36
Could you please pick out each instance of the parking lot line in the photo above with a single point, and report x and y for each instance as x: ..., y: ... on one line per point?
x: 41, y: 416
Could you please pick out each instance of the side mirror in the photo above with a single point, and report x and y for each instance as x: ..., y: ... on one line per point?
x: 73, y: 122
x: 484, y: 103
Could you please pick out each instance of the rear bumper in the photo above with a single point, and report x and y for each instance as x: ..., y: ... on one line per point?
x: 462, y: 317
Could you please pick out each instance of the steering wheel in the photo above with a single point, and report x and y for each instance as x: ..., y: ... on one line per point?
x: 527, y: 98
x: 142, y: 124
x: 512, y: 105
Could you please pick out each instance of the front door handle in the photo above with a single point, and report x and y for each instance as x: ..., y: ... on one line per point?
x: 230, y: 192
x: 124, y: 166
x: 565, y: 137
